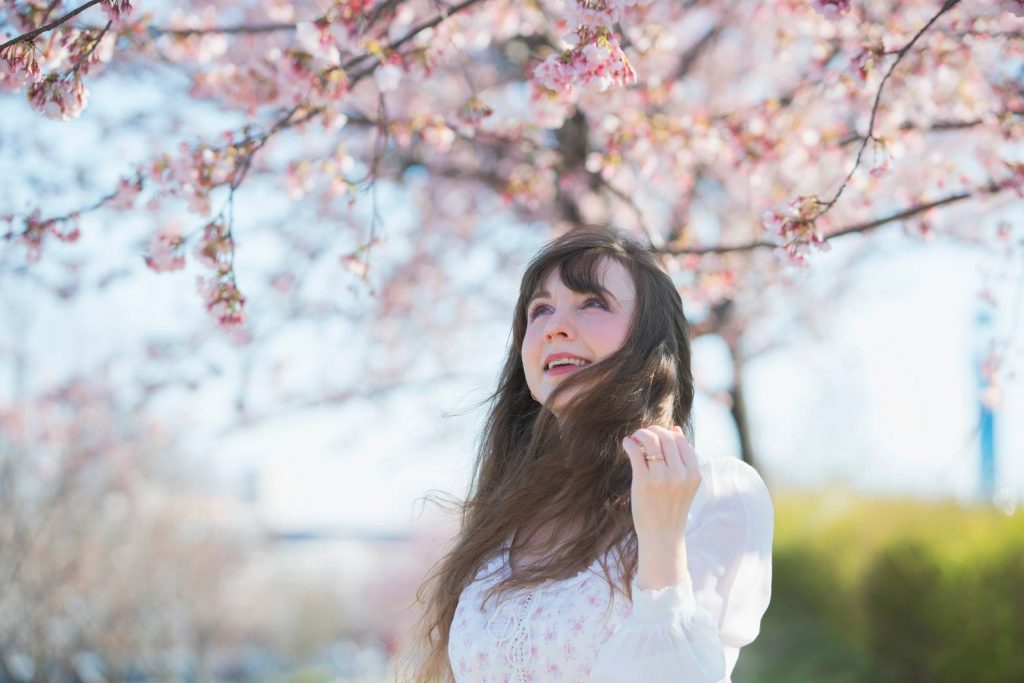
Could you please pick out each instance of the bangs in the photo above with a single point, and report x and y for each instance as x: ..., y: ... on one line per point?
x: 579, y: 271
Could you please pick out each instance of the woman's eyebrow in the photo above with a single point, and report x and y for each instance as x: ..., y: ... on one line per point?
x: 539, y: 295
x: 546, y: 294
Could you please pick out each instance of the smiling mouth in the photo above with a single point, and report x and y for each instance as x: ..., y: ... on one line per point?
x: 565, y: 369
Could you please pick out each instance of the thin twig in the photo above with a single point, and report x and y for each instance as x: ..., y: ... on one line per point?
x: 84, y: 58
x: 870, y: 135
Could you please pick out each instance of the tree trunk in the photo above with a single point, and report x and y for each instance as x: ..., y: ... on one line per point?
x: 738, y: 409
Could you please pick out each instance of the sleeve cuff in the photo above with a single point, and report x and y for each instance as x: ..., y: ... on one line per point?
x: 664, y: 606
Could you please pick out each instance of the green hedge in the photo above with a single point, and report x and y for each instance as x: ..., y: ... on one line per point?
x: 927, y: 591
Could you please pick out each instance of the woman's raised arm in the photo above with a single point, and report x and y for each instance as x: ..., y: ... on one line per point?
x: 692, y: 632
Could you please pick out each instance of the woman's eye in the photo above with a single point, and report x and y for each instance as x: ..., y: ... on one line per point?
x: 537, y: 309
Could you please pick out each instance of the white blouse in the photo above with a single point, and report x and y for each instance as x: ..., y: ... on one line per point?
x: 569, y: 631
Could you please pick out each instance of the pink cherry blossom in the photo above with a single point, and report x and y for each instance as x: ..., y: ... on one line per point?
x: 125, y: 195
x: 599, y: 61
x: 193, y: 173
x: 222, y: 300
x: 1015, y: 179
x: 832, y: 9
x: 1014, y: 7
x: 215, y: 247
x: 58, y: 97
x: 793, y: 226
x: 316, y: 39
x: 117, y: 11
x: 165, y: 249
x: 36, y: 228
x: 18, y: 64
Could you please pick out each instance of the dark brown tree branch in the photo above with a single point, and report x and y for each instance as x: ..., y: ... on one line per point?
x: 156, y: 31
x: 690, y: 57
x: 991, y: 188
x: 52, y: 25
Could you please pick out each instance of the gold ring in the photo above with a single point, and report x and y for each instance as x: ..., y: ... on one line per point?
x: 648, y: 458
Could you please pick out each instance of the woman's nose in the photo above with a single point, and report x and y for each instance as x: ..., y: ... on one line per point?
x: 559, y: 324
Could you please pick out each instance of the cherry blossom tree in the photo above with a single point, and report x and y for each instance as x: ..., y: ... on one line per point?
x: 740, y: 139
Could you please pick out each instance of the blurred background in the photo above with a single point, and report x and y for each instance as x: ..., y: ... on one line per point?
x: 181, y: 502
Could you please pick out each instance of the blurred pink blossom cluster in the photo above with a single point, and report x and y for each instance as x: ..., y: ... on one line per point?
x: 598, y: 13
x: 117, y: 10
x: 36, y: 227
x: 57, y: 97
x: 793, y: 226
x: 1016, y: 178
x: 193, y: 174
x: 832, y: 8
x: 125, y: 194
x: 597, y: 56
x: 215, y: 247
x: 18, y: 64
x: 281, y: 78
x: 165, y: 249
x: 316, y: 39
x: 222, y: 299
x: 598, y: 60
x: 866, y: 61
x: 53, y: 65
x: 219, y: 291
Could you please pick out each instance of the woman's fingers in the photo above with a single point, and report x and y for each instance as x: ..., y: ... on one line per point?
x: 680, y: 458
x: 632, y: 448
x: 652, y: 447
x: 689, y: 456
x: 670, y: 447
x: 662, y: 490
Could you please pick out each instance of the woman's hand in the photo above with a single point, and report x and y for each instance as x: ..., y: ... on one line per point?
x: 662, y: 492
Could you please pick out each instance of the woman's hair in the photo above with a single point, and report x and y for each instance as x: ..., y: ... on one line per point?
x: 533, y: 466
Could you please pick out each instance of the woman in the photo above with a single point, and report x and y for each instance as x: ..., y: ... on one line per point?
x: 595, y: 545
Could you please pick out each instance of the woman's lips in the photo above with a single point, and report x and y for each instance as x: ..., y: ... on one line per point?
x: 562, y: 369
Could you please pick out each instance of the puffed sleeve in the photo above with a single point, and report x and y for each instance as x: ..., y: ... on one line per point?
x: 693, y: 632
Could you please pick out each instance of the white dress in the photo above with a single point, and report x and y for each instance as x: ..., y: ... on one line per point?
x: 569, y: 631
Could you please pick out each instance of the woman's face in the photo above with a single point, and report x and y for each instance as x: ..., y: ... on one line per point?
x: 586, y: 326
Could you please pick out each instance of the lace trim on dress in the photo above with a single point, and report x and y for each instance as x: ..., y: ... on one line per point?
x: 517, y: 633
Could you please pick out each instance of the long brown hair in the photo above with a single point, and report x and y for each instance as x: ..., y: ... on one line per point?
x: 533, y: 466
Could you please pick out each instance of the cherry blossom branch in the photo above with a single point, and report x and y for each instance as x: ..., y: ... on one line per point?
x: 652, y: 235
x: 412, y: 33
x: 286, y: 122
x: 824, y: 207
x: 991, y: 188
x: 52, y: 25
